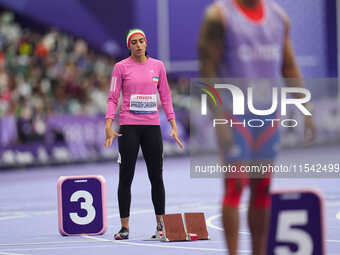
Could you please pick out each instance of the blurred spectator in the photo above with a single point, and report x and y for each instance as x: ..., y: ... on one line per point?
x: 63, y: 72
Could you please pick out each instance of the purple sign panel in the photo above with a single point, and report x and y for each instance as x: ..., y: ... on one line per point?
x: 69, y: 138
x: 81, y: 205
x: 296, y: 225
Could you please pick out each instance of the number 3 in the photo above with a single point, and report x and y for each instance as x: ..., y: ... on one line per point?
x: 87, y: 205
x: 285, y: 233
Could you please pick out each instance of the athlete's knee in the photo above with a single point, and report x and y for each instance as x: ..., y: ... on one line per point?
x: 155, y: 173
x: 261, y: 197
x: 234, y: 189
x: 125, y: 181
x: 157, y: 183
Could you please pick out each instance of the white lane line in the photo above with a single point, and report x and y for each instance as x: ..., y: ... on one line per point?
x: 120, y: 243
x: 166, y: 246
x: 57, y: 248
x: 23, y: 214
x: 10, y: 253
x: 110, y: 240
x: 50, y: 212
x: 40, y: 243
x: 333, y: 241
x: 13, y: 217
x: 98, y: 238
x: 211, y: 225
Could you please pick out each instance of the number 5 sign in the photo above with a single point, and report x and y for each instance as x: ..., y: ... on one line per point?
x: 296, y: 224
x: 81, y: 205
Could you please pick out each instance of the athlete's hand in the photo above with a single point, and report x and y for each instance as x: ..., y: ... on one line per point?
x: 309, y: 130
x: 110, y: 135
x: 174, y: 134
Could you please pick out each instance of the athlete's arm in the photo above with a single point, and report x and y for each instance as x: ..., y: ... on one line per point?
x: 211, y: 53
x: 211, y: 42
x: 165, y: 93
x: 290, y: 70
x: 112, y: 102
x: 165, y: 96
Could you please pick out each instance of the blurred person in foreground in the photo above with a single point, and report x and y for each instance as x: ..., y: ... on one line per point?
x: 248, y: 39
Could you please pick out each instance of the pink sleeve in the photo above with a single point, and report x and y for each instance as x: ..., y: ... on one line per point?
x: 165, y: 94
x: 114, y: 94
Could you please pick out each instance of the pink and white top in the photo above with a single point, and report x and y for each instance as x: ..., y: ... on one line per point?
x: 139, y: 83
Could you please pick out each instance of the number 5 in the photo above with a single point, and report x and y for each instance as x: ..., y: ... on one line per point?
x: 87, y: 205
x: 285, y: 233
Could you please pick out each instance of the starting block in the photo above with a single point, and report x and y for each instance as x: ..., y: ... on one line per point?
x: 174, y: 229
x: 195, y: 223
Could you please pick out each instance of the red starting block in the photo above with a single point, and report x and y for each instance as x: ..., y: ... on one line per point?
x: 174, y: 230
x: 195, y: 223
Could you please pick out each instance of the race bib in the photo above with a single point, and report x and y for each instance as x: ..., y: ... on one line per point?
x: 143, y: 104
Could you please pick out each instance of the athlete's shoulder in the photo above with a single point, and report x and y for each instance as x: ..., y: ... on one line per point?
x: 214, y: 12
x: 123, y: 61
x: 156, y: 61
x: 120, y: 65
x: 280, y: 11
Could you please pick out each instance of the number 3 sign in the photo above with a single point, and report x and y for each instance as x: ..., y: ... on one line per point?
x: 81, y: 205
x: 296, y: 224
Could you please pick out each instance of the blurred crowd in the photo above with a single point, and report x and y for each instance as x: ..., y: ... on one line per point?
x: 49, y: 73
x: 53, y: 73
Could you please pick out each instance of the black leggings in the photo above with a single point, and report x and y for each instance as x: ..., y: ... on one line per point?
x: 149, y: 137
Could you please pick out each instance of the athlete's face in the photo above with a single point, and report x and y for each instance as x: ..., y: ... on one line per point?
x: 137, y: 45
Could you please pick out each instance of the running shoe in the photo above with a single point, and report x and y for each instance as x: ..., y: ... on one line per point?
x: 123, y: 234
x: 158, y: 234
